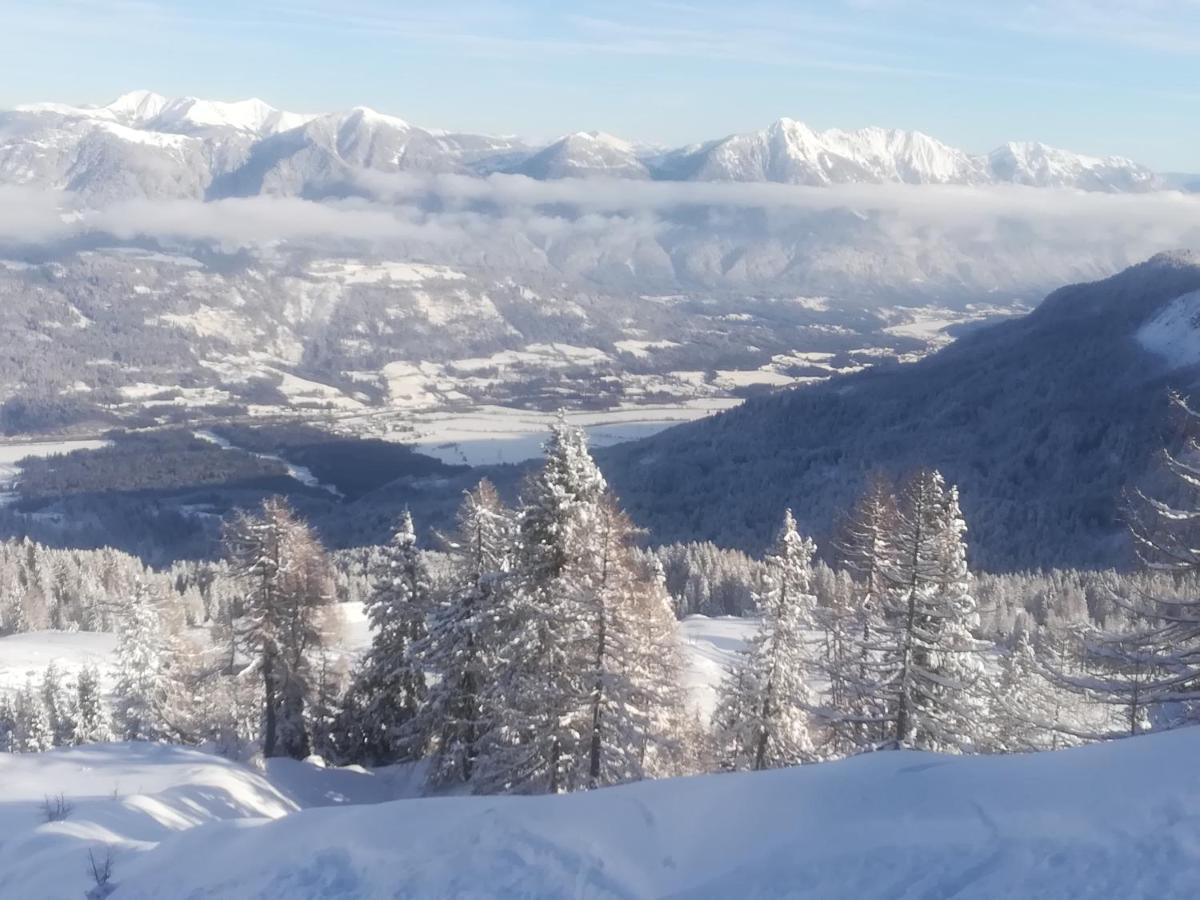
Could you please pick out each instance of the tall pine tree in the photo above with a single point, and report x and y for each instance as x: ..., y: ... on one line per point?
x: 461, y: 645
x: 763, y: 711
x: 390, y: 688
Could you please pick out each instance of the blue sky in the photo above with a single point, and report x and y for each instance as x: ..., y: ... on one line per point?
x: 1101, y: 76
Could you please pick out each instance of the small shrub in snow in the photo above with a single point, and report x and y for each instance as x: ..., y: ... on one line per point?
x: 56, y: 808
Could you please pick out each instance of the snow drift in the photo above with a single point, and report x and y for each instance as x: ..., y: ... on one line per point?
x: 1113, y: 820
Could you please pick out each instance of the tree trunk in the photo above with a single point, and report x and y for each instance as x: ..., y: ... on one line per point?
x: 597, y: 702
x: 269, y: 711
x: 764, y: 735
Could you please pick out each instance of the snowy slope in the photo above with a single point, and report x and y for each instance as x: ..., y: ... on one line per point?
x: 1114, y: 820
x: 134, y: 796
x: 1174, y: 334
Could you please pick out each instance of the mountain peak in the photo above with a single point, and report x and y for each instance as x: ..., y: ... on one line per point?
x: 369, y: 116
x: 141, y: 105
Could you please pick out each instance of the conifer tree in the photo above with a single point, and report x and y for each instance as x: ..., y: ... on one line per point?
x: 390, y: 689
x: 59, y: 705
x: 537, y: 740
x: 461, y: 645
x: 8, y: 725
x: 32, y: 733
x: 91, y: 721
x: 865, y: 545
x: 140, y: 686
x: 763, y: 711
x: 934, y: 690
x: 287, y: 595
x: 586, y: 687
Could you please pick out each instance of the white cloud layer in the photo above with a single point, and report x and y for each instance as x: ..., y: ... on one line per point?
x: 663, y: 230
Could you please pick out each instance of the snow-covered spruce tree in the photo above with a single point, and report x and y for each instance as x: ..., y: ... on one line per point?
x: 460, y: 648
x: 934, y: 688
x: 854, y: 711
x: 287, y: 594
x: 579, y: 698
x: 538, y: 740
x: 32, y: 733
x: 390, y: 688
x: 764, y: 707
x: 91, y: 719
x: 8, y: 725
x: 140, y: 686
x: 58, y: 699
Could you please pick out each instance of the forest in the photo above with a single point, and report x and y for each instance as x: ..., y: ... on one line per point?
x: 533, y: 648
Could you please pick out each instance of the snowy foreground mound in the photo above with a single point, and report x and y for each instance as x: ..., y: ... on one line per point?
x: 1115, y: 820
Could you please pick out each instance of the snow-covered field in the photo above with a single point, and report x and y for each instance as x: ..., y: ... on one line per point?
x: 1110, y: 820
x: 29, y: 653
x: 710, y: 646
x: 492, y: 434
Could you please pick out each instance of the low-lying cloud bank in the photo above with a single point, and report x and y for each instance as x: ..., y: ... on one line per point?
x: 668, y: 229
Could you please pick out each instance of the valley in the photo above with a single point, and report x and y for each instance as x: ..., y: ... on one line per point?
x: 599, y: 451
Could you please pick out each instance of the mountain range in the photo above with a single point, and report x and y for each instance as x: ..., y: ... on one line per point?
x: 147, y: 145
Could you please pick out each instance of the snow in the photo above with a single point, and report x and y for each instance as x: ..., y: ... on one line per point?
x: 1174, y: 334
x: 209, y: 321
x: 882, y: 825
x: 710, y: 648
x: 372, y: 117
x: 135, y: 797
x: 301, y: 391
x: 641, y: 349
x: 486, y: 435
x: 29, y: 653
x: 354, y: 272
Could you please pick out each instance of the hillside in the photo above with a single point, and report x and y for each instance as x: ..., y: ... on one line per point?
x: 876, y: 826
x: 1041, y: 420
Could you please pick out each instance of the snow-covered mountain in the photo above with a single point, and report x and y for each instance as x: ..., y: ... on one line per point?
x: 585, y: 154
x: 1037, y: 165
x: 789, y: 151
x: 146, y: 145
